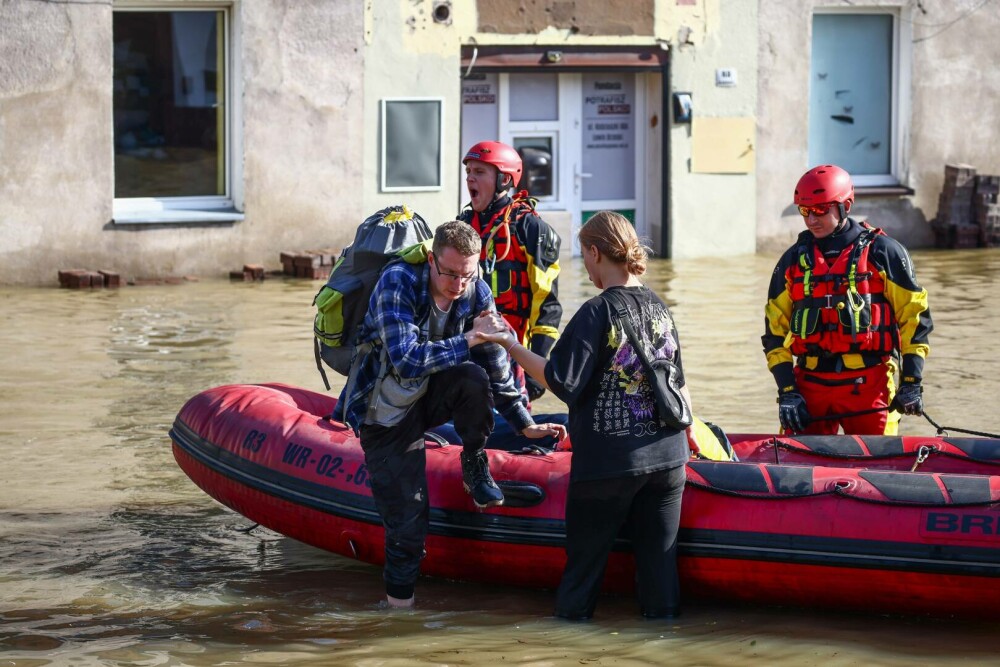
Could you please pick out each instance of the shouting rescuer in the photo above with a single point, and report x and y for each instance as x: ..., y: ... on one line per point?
x: 520, y: 262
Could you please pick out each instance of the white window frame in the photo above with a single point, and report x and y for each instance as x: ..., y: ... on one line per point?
x: 902, y: 36
x: 383, y: 142
x: 216, y: 208
x: 540, y: 128
x: 553, y: 137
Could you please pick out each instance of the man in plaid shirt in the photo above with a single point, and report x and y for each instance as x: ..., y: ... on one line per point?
x: 422, y: 363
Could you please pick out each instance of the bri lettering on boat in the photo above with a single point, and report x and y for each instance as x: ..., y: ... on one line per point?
x: 973, y: 525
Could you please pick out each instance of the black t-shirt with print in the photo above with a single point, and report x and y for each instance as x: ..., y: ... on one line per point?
x: 613, y: 422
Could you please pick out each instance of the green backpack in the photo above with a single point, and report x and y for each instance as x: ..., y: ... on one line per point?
x: 394, y: 233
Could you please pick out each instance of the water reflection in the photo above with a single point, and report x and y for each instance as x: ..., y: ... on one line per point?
x: 110, y: 555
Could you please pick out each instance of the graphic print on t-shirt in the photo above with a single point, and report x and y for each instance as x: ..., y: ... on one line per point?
x: 625, y: 402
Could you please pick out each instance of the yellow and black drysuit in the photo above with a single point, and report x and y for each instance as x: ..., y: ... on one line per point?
x: 520, y: 261
x: 846, y: 308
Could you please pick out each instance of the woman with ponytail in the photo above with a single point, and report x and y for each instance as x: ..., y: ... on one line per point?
x: 627, y: 473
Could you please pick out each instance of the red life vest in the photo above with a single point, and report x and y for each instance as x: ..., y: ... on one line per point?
x: 505, y: 261
x: 840, y: 308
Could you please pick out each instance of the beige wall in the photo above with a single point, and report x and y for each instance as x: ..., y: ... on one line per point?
x: 55, y: 138
x: 408, y: 54
x: 302, y: 101
x: 713, y: 214
x: 953, y: 117
x: 956, y: 98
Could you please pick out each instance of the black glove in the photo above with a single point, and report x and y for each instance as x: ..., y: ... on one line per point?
x: 909, y: 399
x: 792, y: 412
x: 535, y: 390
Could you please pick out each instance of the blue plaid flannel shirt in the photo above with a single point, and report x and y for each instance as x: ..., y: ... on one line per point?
x: 399, y: 303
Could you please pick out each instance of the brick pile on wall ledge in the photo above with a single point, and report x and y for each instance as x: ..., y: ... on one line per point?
x: 84, y: 278
x: 986, y: 208
x: 968, y: 213
x: 311, y: 264
x: 250, y: 273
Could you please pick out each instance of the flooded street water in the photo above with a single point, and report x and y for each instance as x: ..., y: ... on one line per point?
x: 110, y: 555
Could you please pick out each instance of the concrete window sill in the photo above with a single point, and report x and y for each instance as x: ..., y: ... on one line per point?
x: 188, y: 216
x: 883, y: 191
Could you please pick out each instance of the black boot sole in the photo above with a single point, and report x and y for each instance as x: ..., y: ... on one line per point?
x: 495, y: 503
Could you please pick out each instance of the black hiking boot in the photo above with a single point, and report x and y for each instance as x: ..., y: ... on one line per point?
x: 478, y: 482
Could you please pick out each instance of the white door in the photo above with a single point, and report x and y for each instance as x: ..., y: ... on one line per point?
x: 576, y: 134
x: 611, y: 157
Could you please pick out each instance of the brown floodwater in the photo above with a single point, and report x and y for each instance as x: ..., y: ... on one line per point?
x: 109, y: 555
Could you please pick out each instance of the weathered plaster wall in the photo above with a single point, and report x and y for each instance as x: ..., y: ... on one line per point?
x: 408, y: 54
x: 55, y: 137
x: 783, y: 118
x: 956, y: 97
x: 303, y: 113
x: 712, y: 214
x: 953, y: 117
x: 579, y: 17
x: 302, y: 110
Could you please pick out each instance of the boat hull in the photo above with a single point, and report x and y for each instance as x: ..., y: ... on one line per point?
x: 820, y: 528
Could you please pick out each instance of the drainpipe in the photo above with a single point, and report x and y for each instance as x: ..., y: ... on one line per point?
x: 665, y: 231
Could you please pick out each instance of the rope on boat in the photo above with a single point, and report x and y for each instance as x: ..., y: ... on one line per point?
x: 943, y: 430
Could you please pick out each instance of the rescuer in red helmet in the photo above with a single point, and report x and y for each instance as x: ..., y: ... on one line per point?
x: 844, y: 313
x: 520, y: 257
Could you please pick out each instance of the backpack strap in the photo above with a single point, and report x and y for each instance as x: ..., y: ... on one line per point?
x: 360, y: 352
x: 621, y: 310
x: 319, y: 363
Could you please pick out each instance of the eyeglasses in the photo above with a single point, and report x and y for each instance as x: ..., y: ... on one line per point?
x: 455, y: 276
x: 818, y: 209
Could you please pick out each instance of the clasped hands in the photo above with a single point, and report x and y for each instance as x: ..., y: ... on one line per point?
x: 491, y: 327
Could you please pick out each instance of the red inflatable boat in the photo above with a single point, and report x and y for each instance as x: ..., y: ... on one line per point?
x: 887, y: 524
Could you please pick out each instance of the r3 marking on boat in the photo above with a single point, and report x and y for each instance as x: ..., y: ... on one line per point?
x: 254, y: 440
x: 332, y: 467
x: 955, y: 524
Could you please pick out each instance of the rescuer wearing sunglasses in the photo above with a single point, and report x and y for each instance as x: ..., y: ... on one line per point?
x: 844, y: 315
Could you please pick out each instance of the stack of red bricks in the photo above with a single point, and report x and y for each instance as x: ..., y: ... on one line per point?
x: 311, y: 264
x: 250, y: 273
x: 83, y: 278
x: 955, y: 226
x: 986, y: 209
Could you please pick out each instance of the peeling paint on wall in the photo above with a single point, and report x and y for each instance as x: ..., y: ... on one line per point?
x: 581, y: 17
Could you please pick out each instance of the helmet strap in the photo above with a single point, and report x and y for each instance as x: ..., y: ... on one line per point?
x: 501, y: 188
x: 843, y: 217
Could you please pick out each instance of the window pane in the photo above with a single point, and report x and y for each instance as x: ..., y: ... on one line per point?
x: 850, y: 92
x: 169, y: 104
x: 534, y: 97
x: 412, y: 155
x: 608, y: 135
x: 536, y: 158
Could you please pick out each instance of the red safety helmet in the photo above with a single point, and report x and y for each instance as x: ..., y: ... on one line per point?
x: 823, y: 184
x: 503, y: 157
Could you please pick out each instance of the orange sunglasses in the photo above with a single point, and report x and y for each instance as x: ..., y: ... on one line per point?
x: 819, y: 209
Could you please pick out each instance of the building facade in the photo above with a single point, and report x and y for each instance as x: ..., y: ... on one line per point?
x: 176, y: 137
